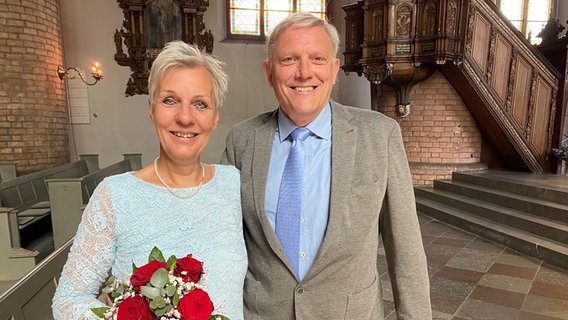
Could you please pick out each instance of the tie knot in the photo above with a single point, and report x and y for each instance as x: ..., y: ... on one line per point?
x: 300, y: 133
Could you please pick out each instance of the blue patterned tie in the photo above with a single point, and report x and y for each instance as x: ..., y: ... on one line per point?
x: 290, y: 199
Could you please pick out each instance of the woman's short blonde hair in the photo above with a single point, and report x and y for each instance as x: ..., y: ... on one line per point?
x: 178, y: 54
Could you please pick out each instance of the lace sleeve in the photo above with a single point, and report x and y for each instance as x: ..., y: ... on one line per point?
x: 89, y: 261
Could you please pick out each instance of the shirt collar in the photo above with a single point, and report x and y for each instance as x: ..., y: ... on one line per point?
x: 320, y: 126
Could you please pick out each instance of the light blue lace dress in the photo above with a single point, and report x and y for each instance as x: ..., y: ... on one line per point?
x: 126, y: 217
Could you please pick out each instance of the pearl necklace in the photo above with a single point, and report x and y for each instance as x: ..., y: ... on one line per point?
x: 171, y: 190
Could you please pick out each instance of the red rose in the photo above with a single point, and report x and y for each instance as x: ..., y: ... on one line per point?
x: 143, y: 275
x: 135, y: 308
x: 196, y: 305
x: 193, y: 269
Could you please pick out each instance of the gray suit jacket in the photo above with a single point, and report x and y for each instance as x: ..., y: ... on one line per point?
x: 371, y: 196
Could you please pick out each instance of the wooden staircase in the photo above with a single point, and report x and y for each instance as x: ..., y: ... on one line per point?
x: 524, y: 211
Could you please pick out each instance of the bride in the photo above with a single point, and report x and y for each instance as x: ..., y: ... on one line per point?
x: 177, y: 203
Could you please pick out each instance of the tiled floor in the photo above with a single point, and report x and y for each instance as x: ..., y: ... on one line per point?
x: 476, y: 279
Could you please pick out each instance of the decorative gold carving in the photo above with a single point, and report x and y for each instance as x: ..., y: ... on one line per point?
x: 353, y: 38
x: 148, y: 25
x: 403, y: 21
x: 512, y: 80
x: 470, y: 25
x: 429, y: 19
x: 505, y: 121
x: 377, y: 21
x: 452, y: 18
x: 532, y: 103
x: 491, y: 57
x: 552, y: 117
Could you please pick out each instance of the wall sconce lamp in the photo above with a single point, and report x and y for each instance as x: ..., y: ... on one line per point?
x: 96, y: 73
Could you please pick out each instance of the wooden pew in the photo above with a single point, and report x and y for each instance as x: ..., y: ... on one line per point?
x: 14, y: 262
x: 30, y: 297
x: 27, y: 198
x: 7, y: 172
x: 68, y: 198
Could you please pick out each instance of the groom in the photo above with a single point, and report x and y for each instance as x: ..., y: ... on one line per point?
x: 356, y: 190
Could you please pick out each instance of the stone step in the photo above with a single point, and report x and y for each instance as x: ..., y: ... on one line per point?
x: 504, y: 197
x: 479, y: 206
x: 553, y: 252
x: 543, y: 186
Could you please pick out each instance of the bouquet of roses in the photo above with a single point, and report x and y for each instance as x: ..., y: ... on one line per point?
x: 160, y: 290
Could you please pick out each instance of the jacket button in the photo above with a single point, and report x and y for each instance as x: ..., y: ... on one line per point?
x: 300, y: 290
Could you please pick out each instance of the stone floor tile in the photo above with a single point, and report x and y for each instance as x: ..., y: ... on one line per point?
x: 456, y: 233
x: 514, y: 271
x: 436, y: 315
x: 444, y: 303
x: 434, y: 228
x: 498, y: 296
x: 474, y: 262
x: 459, y: 275
x: 516, y: 259
x: 422, y: 219
x: 451, y: 287
x: 555, y: 308
x: 549, y: 290
x: 508, y: 283
x: 552, y: 274
x: 479, y: 310
x: 440, y: 249
x: 386, y: 287
x: 485, y: 245
x: 388, y: 308
x: 427, y: 239
x: 458, y: 243
x: 523, y: 315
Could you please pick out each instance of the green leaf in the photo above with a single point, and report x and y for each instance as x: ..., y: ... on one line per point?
x: 150, y: 292
x: 159, y: 278
x: 156, y: 254
x: 157, y: 303
x: 107, y: 290
x: 100, y: 312
x: 134, y: 268
x: 172, y: 262
x: 114, y: 295
x: 160, y: 312
x: 218, y: 317
x: 120, y: 289
x: 175, y: 300
x: 170, y: 290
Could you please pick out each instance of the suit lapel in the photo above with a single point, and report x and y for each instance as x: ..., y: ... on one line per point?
x: 343, y: 148
x: 263, y: 138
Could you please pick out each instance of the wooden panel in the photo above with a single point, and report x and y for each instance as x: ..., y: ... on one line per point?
x: 521, y: 93
x: 501, y: 68
x: 480, y: 42
x: 39, y: 306
x: 540, y: 123
x: 30, y: 297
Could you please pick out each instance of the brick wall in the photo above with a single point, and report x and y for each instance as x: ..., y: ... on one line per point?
x: 440, y: 136
x: 33, y: 114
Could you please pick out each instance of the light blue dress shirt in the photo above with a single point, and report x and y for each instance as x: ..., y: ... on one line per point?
x: 316, y: 184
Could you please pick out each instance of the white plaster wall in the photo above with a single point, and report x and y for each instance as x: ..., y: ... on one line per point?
x: 120, y: 124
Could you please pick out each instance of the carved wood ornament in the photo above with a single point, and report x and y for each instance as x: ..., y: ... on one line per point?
x: 400, y: 43
x: 148, y: 25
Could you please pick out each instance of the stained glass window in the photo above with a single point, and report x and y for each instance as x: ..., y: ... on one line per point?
x: 253, y: 19
x: 529, y: 16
